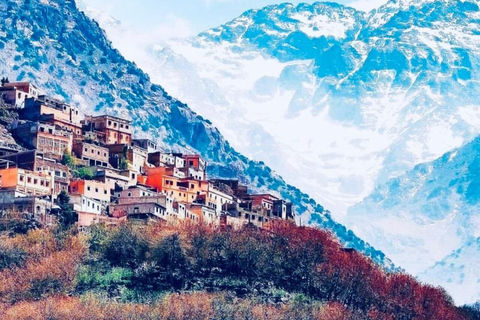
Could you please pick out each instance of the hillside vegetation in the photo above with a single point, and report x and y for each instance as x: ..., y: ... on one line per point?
x: 198, y: 272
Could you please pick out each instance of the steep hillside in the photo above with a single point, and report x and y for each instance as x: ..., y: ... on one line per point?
x: 55, y: 45
x: 196, y: 272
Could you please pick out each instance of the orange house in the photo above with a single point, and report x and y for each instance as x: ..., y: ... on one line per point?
x: 90, y: 189
x: 185, y: 190
x: 195, y: 161
x: 26, y: 181
x: 155, y: 177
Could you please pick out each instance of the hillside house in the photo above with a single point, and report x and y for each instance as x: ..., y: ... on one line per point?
x: 15, y: 93
x: 26, y: 181
x: 45, y: 138
x: 113, y: 130
x: 93, y: 154
x: 83, y: 204
x: 146, y: 144
x: 91, y: 189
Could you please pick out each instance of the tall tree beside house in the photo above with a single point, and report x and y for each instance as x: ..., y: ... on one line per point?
x: 67, y: 216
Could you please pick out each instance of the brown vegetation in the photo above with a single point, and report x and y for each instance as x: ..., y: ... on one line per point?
x: 198, y: 272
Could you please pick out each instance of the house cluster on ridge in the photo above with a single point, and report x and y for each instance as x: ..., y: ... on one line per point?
x: 109, y: 175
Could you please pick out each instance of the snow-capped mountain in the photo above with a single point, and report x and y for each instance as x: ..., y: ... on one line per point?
x: 458, y: 273
x: 346, y: 100
x: 59, y: 48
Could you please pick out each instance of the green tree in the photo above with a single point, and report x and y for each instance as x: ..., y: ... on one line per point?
x: 69, y: 160
x: 67, y: 216
x: 125, y: 248
x: 84, y: 173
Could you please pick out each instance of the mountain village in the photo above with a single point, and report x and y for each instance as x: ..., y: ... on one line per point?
x: 110, y: 176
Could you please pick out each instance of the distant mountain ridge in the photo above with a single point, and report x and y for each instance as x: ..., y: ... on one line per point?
x: 425, y: 216
x: 56, y: 46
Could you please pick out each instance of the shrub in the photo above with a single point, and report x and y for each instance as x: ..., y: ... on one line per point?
x: 125, y: 248
x: 11, y: 257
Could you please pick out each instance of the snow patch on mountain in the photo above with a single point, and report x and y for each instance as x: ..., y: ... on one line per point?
x: 458, y: 273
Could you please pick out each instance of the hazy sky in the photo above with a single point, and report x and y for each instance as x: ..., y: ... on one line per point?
x: 188, y: 17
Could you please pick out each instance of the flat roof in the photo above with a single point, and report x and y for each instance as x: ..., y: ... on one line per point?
x: 112, y: 117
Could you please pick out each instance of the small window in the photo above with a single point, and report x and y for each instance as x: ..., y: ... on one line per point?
x: 21, y: 178
x: 88, y: 188
x: 96, y: 190
x: 35, y: 181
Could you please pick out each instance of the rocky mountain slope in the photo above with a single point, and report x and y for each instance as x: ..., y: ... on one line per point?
x: 59, y: 48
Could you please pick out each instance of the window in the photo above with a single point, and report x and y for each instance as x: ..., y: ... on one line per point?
x: 21, y: 178
x: 129, y: 194
x: 96, y: 190
x: 86, y: 149
x: 109, y: 122
x: 104, y: 191
x: 35, y: 181
x: 88, y: 188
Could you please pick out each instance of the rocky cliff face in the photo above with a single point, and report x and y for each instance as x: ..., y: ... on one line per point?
x: 59, y: 48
